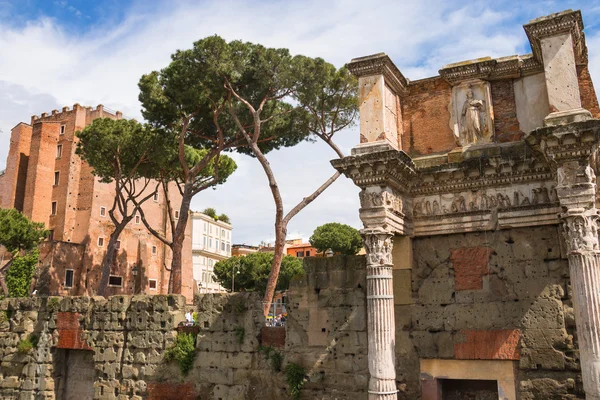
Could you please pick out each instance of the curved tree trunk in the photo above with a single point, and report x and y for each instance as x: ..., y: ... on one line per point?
x: 280, y: 235
x: 175, y: 280
x: 109, y: 257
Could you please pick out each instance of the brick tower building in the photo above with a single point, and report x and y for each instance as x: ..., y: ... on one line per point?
x: 49, y: 183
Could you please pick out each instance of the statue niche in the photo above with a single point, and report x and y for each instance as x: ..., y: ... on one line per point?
x: 472, y: 121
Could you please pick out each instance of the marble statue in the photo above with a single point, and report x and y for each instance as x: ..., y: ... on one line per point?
x: 472, y: 120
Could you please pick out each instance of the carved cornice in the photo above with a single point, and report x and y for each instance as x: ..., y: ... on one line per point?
x: 391, y: 168
x: 575, y: 141
x: 490, y: 69
x: 556, y: 24
x: 379, y: 64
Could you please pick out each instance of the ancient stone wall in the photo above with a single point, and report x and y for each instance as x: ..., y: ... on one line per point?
x: 500, y: 296
x: 114, y: 348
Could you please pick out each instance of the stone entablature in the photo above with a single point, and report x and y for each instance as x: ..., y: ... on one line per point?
x: 487, y: 68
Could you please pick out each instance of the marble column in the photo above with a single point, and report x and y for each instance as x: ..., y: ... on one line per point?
x: 576, y: 191
x: 380, y: 314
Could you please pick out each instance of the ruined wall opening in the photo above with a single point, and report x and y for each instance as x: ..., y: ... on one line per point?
x: 75, y: 374
x: 469, y: 389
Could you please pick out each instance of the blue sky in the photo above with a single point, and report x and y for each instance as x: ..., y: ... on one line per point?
x: 60, y: 52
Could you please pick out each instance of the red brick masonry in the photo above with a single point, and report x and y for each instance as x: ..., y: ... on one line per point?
x: 489, y: 345
x: 273, y: 336
x: 171, y: 391
x: 470, y: 265
x: 70, y: 332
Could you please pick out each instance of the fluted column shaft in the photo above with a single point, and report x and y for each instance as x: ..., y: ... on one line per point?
x: 576, y: 192
x: 380, y: 315
x: 585, y: 281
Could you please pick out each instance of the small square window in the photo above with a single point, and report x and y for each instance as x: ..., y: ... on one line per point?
x: 154, y: 250
x: 103, y: 211
x: 138, y: 219
x: 299, y: 254
x: 59, y: 151
x: 118, y: 245
x: 156, y: 197
x: 308, y: 253
x: 56, y: 178
x: 152, y: 284
x: 114, y: 280
x: 176, y: 214
x: 54, y: 207
x: 62, y: 129
x: 100, y: 242
x: 68, y: 278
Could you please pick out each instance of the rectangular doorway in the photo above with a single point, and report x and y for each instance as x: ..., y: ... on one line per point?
x: 469, y: 389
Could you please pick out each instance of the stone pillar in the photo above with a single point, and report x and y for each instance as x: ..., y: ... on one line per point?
x: 379, y: 85
x: 571, y: 149
x: 557, y: 42
x: 383, y: 173
x: 380, y: 314
x: 579, y: 222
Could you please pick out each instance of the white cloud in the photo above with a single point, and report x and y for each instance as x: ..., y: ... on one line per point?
x: 42, y: 67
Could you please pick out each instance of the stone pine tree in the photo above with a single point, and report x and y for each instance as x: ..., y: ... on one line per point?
x: 172, y: 177
x: 308, y: 97
x: 243, y: 96
x: 188, y: 100
x: 120, y: 152
x: 340, y: 238
x: 20, y: 236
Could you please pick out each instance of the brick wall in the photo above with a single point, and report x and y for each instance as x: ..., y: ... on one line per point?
x: 31, y: 166
x: 426, y: 117
x: 589, y: 100
x: 40, y: 173
x: 506, y: 124
x: 12, y: 187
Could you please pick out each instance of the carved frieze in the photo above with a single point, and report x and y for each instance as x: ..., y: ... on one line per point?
x: 387, y: 199
x: 484, y: 200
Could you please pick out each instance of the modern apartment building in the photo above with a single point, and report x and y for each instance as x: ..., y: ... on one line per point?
x: 211, y: 242
x: 296, y: 248
x: 49, y: 183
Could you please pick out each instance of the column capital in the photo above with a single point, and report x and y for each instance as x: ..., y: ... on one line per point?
x: 378, y: 245
x: 384, y: 175
x: 580, y: 230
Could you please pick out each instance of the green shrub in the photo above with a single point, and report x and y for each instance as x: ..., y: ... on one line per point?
x: 20, y: 273
x: 53, y: 304
x: 183, y: 352
x: 240, y: 332
x: 27, y: 344
x: 3, y: 316
x: 276, y: 360
x: 295, y: 377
